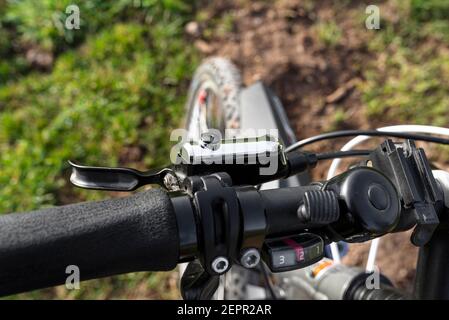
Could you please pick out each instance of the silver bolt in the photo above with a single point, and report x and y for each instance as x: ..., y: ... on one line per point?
x: 250, y: 258
x: 210, y: 140
x: 220, y: 264
x: 171, y: 182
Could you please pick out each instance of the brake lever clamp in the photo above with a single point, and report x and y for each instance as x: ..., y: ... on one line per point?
x: 231, y: 224
x: 408, y: 168
x: 218, y: 220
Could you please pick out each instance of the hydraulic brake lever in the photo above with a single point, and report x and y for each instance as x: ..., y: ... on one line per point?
x: 120, y: 179
x: 249, y: 161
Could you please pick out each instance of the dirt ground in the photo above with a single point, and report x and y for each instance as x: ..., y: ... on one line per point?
x: 313, y: 82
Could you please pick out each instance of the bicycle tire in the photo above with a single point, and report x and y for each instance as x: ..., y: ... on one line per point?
x: 223, y: 77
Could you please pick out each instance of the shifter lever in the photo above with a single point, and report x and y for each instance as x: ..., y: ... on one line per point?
x: 118, y: 179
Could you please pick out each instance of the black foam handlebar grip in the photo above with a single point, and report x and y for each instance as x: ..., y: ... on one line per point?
x: 136, y: 233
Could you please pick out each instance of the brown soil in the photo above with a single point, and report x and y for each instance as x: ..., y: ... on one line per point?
x: 278, y: 44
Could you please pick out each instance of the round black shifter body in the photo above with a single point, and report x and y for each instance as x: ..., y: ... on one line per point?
x: 371, y: 202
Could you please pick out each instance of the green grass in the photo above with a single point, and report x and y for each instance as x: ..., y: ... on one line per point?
x: 429, y: 10
x: 42, y: 22
x: 413, y: 89
x: 143, y: 285
x: 340, y: 117
x: 40, y: 25
x: 119, y: 83
x: 412, y: 83
x: 123, y: 87
x: 328, y: 33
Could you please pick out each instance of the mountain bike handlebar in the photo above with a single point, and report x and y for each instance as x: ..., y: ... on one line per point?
x: 102, y: 238
x: 136, y: 233
x: 142, y: 232
x: 213, y: 221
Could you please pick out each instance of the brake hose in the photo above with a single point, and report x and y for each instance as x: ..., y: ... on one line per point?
x: 374, y: 133
x: 342, y: 154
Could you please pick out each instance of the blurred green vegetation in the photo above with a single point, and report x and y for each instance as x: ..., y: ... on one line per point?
x: 42, y: 22
x: 409, y: 79
x: 39, y: 25
x: 328, y: 33
x: 143, y: 285
x: 113, y: 92
x: 429, y: 10
x: 122, y: 87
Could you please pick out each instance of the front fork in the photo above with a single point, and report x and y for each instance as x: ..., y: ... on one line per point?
x: 432, y: 271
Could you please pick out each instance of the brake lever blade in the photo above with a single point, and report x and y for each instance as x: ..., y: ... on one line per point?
x: 115, y: 179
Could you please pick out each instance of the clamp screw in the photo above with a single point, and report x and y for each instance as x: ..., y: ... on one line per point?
x: 220, y: 264
x: 250, y: 258
x: 210, y: 140
x: 171, y: 182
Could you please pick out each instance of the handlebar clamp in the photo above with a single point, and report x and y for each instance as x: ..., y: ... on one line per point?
x: 217, y: 210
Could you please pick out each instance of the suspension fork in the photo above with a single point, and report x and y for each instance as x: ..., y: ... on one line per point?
x: 432, y: 272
